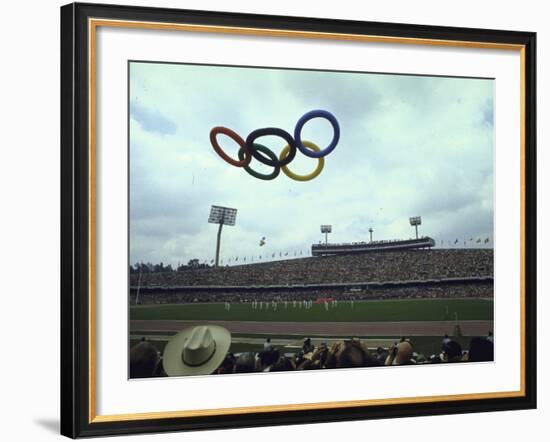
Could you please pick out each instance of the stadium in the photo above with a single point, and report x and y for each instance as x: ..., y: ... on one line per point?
x: 379, y: 296
x: 274, y: 295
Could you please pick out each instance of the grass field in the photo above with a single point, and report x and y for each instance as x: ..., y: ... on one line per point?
x: 391, y: 310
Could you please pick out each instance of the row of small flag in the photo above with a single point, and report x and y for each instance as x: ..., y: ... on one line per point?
x: 300, y: 253
x: 261, y: 257
x: 478, y: 241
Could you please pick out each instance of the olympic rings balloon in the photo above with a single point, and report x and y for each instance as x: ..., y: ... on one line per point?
x: 270, y: 154
x: 309, y: 116
x: 308, y: 177
x: 249, y: 148
x: 245, y: 161
x: 278, y: 133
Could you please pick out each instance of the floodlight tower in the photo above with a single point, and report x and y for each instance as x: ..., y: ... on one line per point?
x: 415, y: 221
x: 221, y: 215
x: 370, y: 232
x: 326, y: 229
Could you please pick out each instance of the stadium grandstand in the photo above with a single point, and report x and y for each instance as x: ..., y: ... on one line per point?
x: 400, y: 306
x: 409, y: 273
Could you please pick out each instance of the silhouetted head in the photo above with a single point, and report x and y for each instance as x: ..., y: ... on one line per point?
x: 144, y: 358
x: 481, y: 349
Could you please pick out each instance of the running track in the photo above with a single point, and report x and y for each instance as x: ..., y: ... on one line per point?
x: 401, y: 328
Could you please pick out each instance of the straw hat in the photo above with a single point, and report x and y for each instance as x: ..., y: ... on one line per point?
x: 196, y: 351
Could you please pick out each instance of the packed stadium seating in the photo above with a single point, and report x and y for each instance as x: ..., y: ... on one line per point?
x: 413, y: 265
x: 386, y: 275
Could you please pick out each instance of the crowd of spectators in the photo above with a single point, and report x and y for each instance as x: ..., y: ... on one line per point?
x: 420, y: 291
x: 410, y: 265
x: 146, y: 361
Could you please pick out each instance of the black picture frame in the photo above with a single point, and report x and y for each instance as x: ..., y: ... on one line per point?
x: 76, y: 417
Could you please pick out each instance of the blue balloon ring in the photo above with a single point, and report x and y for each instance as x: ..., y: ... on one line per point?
x: 309, y: 116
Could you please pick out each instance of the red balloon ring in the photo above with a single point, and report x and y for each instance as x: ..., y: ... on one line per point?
x: 235, y: 137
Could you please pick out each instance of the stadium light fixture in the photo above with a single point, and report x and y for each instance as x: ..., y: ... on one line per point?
x: 415, y: 221
x: 326, y: 229
x: 222, y: 216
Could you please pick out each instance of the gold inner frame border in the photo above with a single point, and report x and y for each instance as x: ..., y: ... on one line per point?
x: 93, y: 24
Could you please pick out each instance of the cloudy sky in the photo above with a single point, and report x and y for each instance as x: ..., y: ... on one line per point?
x: 409, y: 146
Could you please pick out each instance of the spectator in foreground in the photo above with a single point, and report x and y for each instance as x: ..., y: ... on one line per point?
x: 451, y: 352
x: 245, y: 363
x: 144, y: 360
x: 353, y: 354
x: 268, y: 358
x: 381, y: 355
x: 203, y: 350
x: 481, y: 350
x: 197, y: 350
x: 400, y: 354
x: 348, y: 354
x: 283, y: 364
x: 418, y: 358
x: 227, y: 365
x: 314, y: 359
x: 323, y: 354
x: 308, y: 347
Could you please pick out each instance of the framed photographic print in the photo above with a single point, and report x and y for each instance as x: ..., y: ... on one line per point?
x: 257, y: 208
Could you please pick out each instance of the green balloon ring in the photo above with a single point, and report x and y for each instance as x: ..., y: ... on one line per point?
x: 270, y: 154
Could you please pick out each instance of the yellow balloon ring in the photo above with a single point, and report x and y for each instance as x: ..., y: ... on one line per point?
x: 296, y: 177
